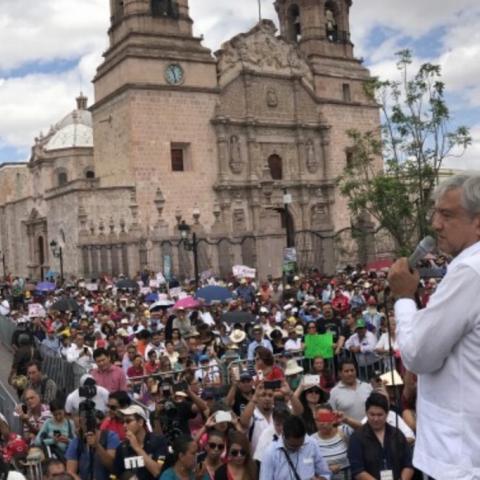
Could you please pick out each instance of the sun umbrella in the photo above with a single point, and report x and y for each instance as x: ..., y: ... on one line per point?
x: 45, y: 287
x: 238, y: 316
x: 65, y: 304
x: 127, y: 284
x: 214, y: 294
x: 151, y: 297
x: 160, y: 305
x: 187, y: 302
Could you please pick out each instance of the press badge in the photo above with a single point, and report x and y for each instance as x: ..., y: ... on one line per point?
x: 131, y: 463
x: 386, y: 475
x: 308, y: 461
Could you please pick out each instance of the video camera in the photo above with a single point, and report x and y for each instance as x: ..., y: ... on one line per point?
x: 87, y: 407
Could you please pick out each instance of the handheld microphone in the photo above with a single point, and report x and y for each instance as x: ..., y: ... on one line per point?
x: 425, y: 246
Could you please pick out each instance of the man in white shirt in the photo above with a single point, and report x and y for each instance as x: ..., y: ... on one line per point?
x: 74, y: 399
x: 363, y: 343
x: 294, y: 343
x: 441, y: 342
x: 155, y: 344
x: 273, y: 432
x: 79, y: 352
x: 350, y: 394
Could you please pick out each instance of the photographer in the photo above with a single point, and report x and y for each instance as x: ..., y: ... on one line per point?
x: 90, y: 455
x: 75, y: 398
x: 142, y: 452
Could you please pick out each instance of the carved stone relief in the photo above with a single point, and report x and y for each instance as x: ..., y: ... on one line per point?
x: 236, y: 162
x: 319, y: 215
x: 272, y: 99
x: 261, y: 51
x: 239, y: 223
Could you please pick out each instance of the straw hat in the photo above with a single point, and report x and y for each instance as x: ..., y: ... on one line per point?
x: 386, y: 378
x: 292, y: 368
x: 237, y: 336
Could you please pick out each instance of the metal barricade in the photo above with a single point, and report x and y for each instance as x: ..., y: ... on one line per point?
x: 7, y: 327
x: 7, y: 408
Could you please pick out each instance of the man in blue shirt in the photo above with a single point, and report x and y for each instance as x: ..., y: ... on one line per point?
x: 90, y: 456
x: 294, y: 456
x: 258, y: 341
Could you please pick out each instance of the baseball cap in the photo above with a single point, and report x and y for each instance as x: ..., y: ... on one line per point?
x: 135, y: 410
x: 245, y: 375
x: 360, y: 323
x: 204, y: 358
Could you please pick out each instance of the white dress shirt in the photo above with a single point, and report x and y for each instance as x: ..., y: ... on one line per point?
x: 441, y: 343
x: 367, y: 344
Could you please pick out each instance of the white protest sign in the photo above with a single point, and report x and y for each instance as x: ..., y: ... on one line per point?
x: 36, y: 310
x: 175, y: 292
x: 242, y: 271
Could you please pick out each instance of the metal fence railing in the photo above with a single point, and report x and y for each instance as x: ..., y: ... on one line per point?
x: 7, y: 408
x: 7, y: 327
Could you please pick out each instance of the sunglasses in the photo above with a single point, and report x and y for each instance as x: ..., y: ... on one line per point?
x: 216, y: 446
x: 237, y: 453
x: 112, y: 407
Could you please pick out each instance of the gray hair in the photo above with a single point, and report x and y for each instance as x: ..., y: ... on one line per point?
x: 470, y: 186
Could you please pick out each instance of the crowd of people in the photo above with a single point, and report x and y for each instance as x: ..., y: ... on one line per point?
x: 301, y: 380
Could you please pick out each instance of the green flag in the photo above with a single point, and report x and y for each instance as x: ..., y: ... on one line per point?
x: 319, y: 345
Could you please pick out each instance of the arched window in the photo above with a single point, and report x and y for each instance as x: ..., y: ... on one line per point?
x: 62, y: 179
x: 89, y: 174
x: 331, y: 22
x: 275, y: 165
x: 164, y: 8
x: 294, y: 23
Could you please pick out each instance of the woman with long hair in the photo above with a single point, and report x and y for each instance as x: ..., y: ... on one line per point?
x: 319, y: 367
x: 310, y: 396
x: 214, y: 449
x: 240, y: 465
x: 184, y: 459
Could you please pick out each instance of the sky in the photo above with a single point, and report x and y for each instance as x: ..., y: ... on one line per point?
x: 49, y: 52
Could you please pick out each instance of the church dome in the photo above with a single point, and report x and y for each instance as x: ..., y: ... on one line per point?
x: 73, y: 131
x: 75, y: 135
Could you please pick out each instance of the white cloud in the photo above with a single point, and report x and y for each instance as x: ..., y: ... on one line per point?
x: 37, y: 32
x: 32, y: 31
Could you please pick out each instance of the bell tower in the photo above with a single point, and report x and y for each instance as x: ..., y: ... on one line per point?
x: 154, y: 91
x: 321, y: 28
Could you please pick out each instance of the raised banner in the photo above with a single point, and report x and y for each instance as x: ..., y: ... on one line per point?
x: 242, y: 271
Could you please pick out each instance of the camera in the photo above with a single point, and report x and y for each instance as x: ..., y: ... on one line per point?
x: 87, y: 391
x: 87, y: 408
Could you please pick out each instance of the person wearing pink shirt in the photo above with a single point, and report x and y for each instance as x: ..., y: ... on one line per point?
x: 106, y: 375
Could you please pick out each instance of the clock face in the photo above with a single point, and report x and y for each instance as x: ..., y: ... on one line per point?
x: 174, y: 74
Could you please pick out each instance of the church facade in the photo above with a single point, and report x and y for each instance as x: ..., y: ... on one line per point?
x: 243, y: 145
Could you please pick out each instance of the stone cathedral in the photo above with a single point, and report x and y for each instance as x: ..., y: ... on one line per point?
x: 177, y: 134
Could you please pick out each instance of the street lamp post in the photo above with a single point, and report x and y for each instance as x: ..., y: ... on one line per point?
x: 57, y: 252
x: 287, y: 200
x: 190, y: 245
x: 4, y: 265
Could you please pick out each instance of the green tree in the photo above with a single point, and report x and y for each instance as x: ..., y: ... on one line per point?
x: 414, y: 140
